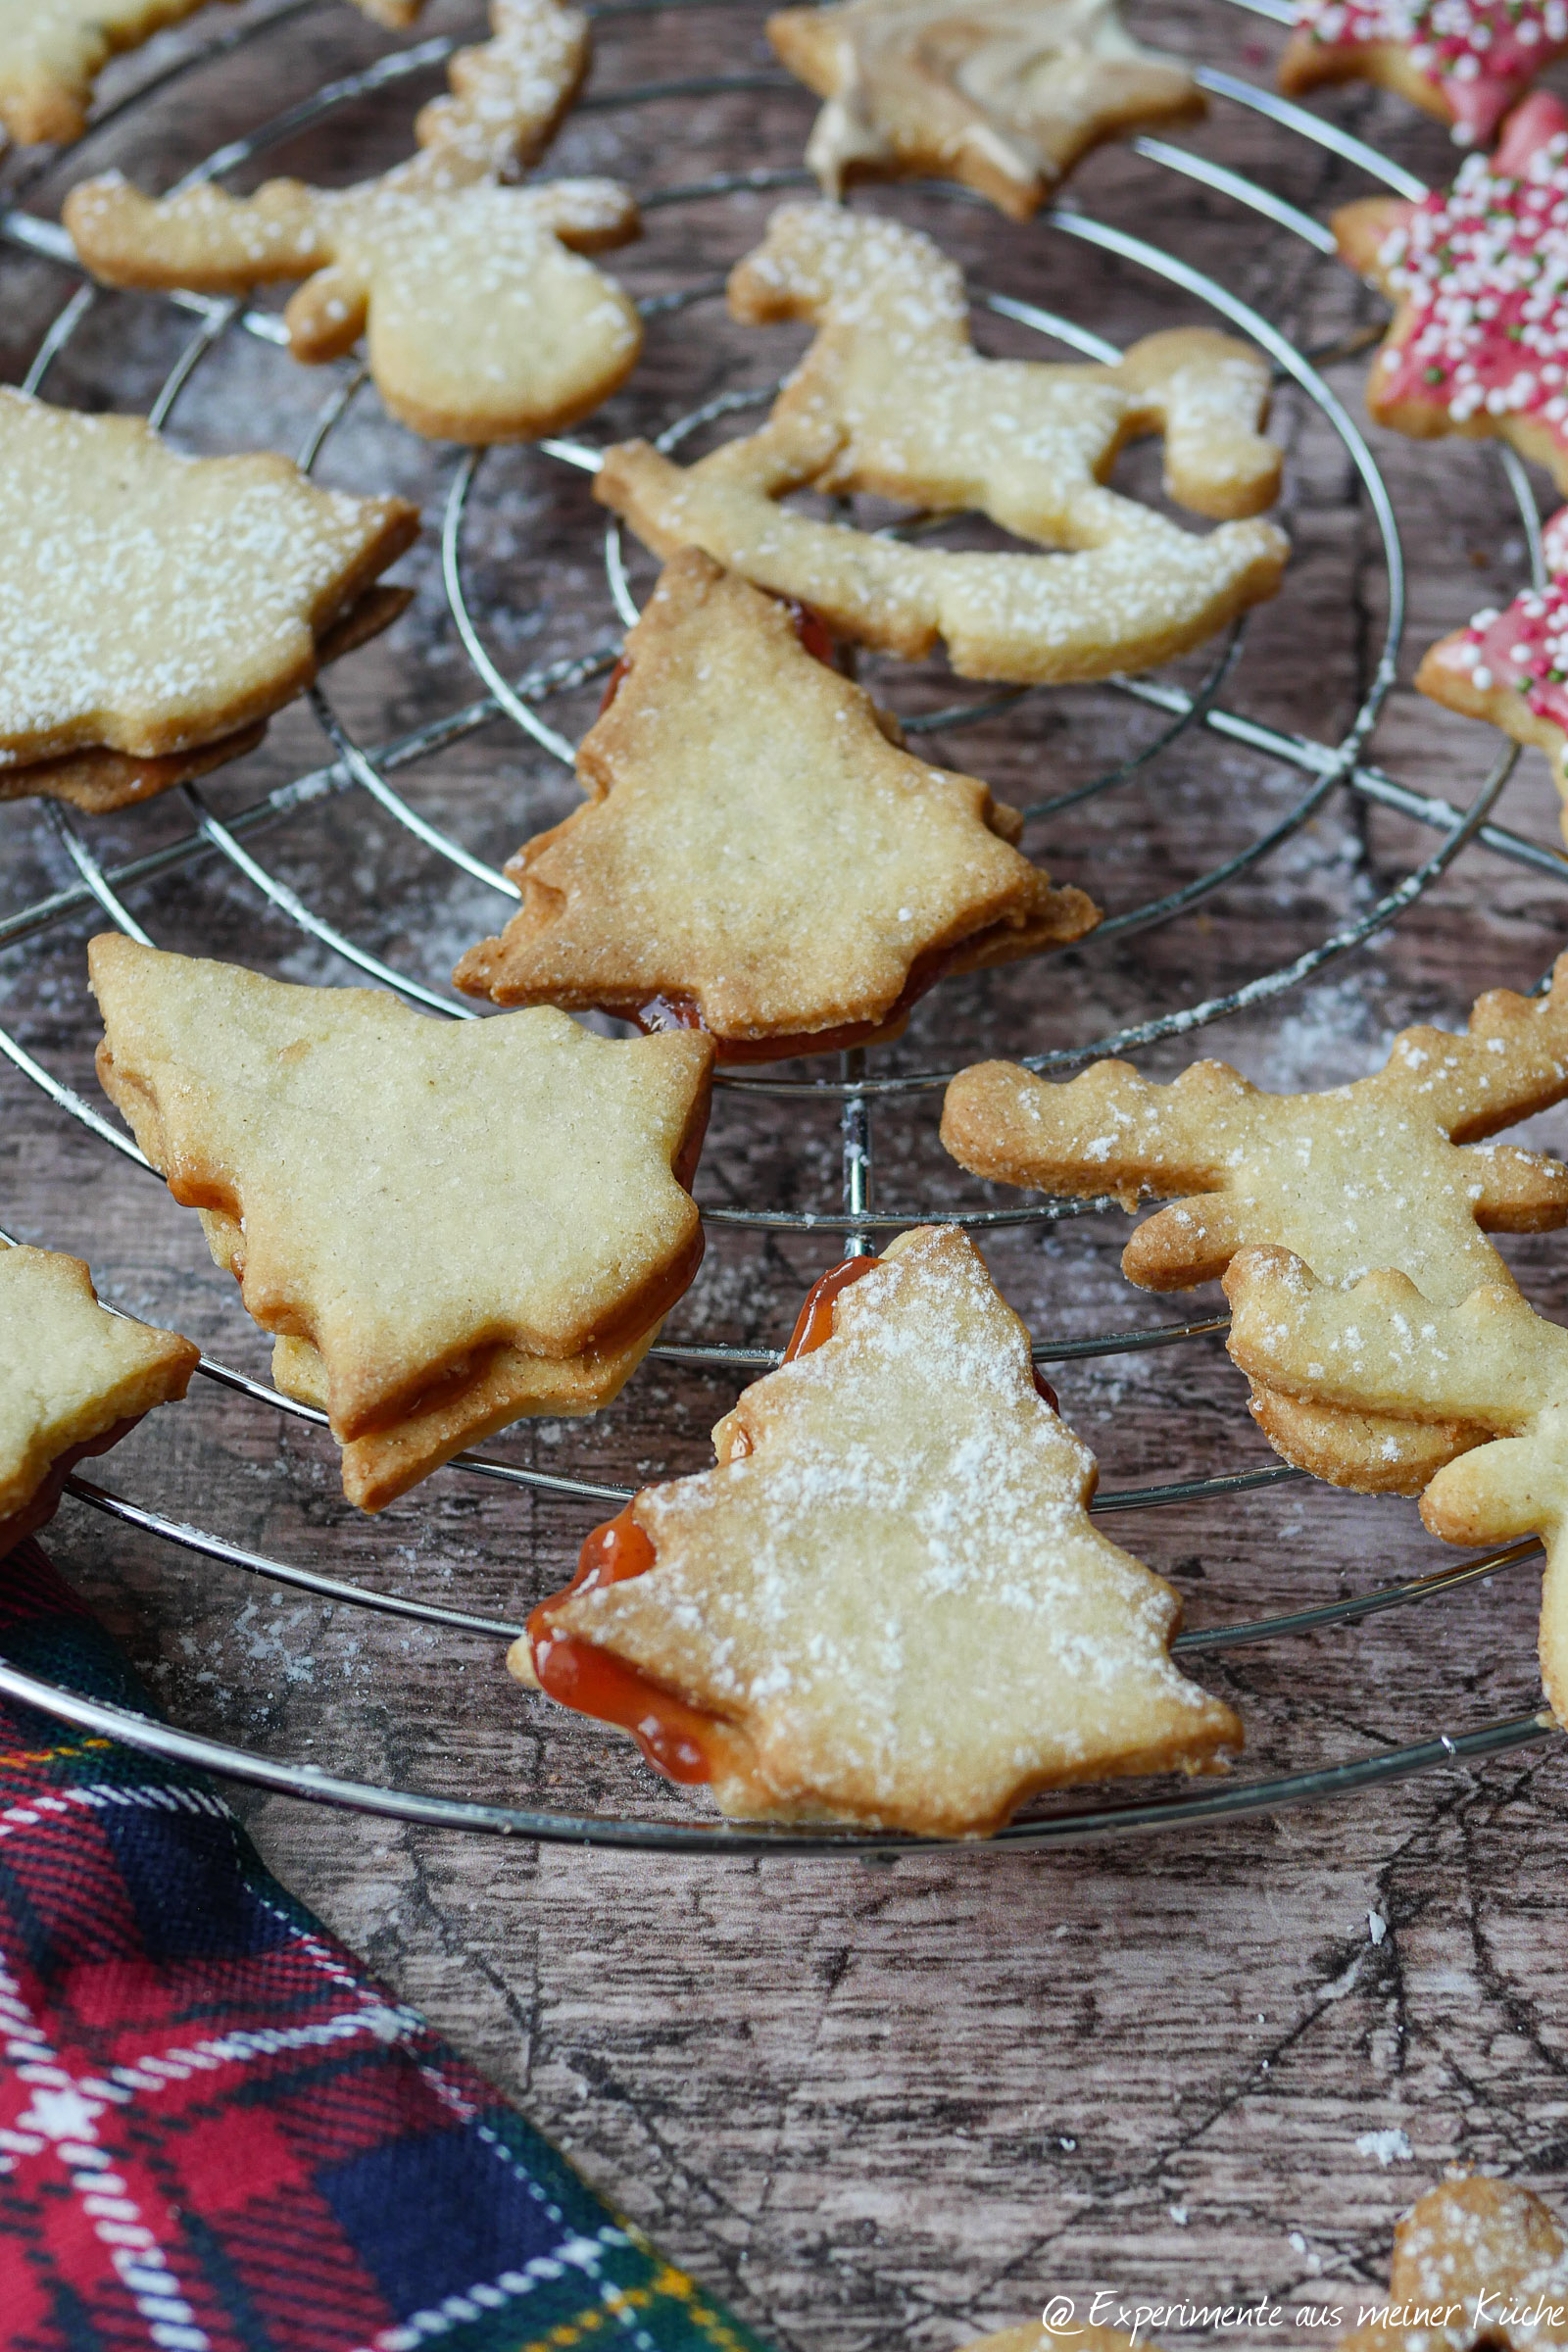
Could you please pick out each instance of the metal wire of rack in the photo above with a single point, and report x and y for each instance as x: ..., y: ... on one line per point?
x: 353, y: 766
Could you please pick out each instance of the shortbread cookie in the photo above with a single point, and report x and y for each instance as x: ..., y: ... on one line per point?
x: 482, y: 321
x: 1488, y: 1369
x: 756, y: 859
x: 73, y: 1378
x: 153, y: 606
x: 1464, y: 60
x: 1477, y: 275
x: 891, y: 398
x: 1391, y: 1171
x: 887, y: 1604
x: 1511, y: 667
x: 1475, y: 2263
x: 447, y: 1224
x: 1003, y: 95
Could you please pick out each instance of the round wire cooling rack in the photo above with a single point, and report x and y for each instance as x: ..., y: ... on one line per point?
x: 1323, y: 768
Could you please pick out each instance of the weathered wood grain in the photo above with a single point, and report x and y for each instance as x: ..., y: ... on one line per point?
x: 870, y: 2103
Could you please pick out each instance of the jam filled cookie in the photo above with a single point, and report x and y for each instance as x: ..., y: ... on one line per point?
x: 446, y: 1225
x: 1391, y: 1171
x: 888, y: 1603
x: 1002, y: 95
x: 892, y: 400
x: 482, y: 319
x: 73, y: 1378
x: 155, y: 609
x: 1479, y: 278
x: 1464, y: 60
x: 1490, y: 1375
x: 1475, y: 2263
x: 1511, y: 667
x: 756, y: 857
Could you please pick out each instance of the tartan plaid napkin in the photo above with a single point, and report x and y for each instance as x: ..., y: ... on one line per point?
x: 218, y: 2134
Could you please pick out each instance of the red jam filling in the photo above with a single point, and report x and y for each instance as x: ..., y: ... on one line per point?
x: 1481, y: 275
x: 683, y: 1013
x: 1479, y: 53
x: 1525, y: 647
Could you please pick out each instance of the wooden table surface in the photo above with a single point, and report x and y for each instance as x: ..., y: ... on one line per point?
x: 867, y: 2103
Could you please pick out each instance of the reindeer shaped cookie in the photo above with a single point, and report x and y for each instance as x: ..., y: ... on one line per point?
x: 891, y: 398
x: 483, y: 321
x: 1392, y: 1171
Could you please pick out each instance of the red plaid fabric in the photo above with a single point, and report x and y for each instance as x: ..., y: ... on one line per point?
x: 218, y: 2134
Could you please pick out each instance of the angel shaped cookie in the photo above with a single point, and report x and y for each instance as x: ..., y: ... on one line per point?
x: 155, y: 609
x: 1003, y: 95
x: 1464, y: 60
x: 1391, y: 1171
x: 887, y: 1604
x: 1478, y: 274
x: 1475, y: 2263
x: 73, y: 1378
x: 1511, y: 667
x: 1489, y: 1369
x: 447, y: 1225
x: 891, y: 398
x: 756, y: 859
x: 482, y: 319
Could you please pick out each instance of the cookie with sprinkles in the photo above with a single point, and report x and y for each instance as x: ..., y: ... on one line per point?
x: 756, y: 857
x: 1392, y: 1171
x: 156, y: 609
x: 887, y: 1604
x: 1476, y: 2261
x: 1511, y: 667
x: 482, y: 316
x: 891, y: 398
x: 74, y: 1378
x: 1489, y: 1367
x: 445, y: 1225
x: 1465, y: 60
x: 1478, y: 274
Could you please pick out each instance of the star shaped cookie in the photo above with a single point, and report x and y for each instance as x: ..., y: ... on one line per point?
x: 1475, y: 2262
x: 1490, y: 1368
x: 73, y: 1378
x: 1511, y: 667
x: 892, y: 400
x: 756, y: 859
x: 482, y: 319
x: 1390, y: 1171
x: 1464, y: 60
x: 447, y: 1225
x: 1002, y: 95
x: 1478, y: 274
x: 155, y: 609
x: 887, y: 1604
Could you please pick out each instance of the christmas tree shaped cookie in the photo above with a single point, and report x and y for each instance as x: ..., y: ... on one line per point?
x: 1464, y: 60
x: 482, y: 319
x: 1391, y: 1171
x: 1488, y: 1369
x: 1511, y: 667
x: 73, y: 1378
x: 756, y: 859
x: 446, y: 1225
x: 1002, y: 95
x: 155, y: 609
x: 887, y: 1604
x: 892, y: 400
x: 1477, y: 275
